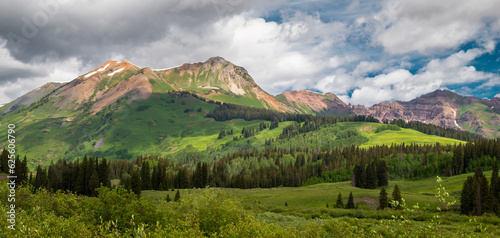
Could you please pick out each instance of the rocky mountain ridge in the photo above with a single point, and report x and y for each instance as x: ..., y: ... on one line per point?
x: 219, y: 80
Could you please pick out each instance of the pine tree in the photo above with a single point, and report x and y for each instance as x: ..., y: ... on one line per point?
x: 40, y: 179
x: 362, y: 177
x: 480, y: 187
x: 467, y: 197
x: 396, y: 196
x: 88, y: 173
x: 103, y: 173
x: 162, y: 185
x: 350, y: 202
x: 81, y: 180
x: 495, y: 182
x: 458, y: 160
x: 177, y: 196
x: 74, y: 176
x: 198, y: 176
x: 495, y: 188
x: 222, y: 133
x: 154, y: 179
x: 168, y: 198
x: 382, y: 174
x: 204, y: 173
x: 145, y: 176
x: 135, y: 182
x: 383, y: 201
x: 4, y: 163
x: 53, y: 182
x: 371, y: 176
x: 22, y: 171
x: 340, y: 203
x: 94, y: 183
x: 181, y: 180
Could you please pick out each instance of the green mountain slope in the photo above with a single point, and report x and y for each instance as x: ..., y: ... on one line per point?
x: 119, y: 110
x: 171, y: 125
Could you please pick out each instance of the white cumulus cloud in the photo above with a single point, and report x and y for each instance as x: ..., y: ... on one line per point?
x: 429, y: 26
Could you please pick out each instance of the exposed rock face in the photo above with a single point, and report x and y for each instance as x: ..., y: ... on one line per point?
x: 442, y: 108
x: 220, y: 80
x: 216, y: 77
x: 322, y: 104
x: 92, y: 86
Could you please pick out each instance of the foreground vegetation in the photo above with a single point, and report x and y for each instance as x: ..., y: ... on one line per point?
x: 245, y: 213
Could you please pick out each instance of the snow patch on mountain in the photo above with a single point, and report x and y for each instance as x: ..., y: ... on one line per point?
x: 167, y: 68
x: 455, y: 120
x: 118, y: 71
x: 90, y: 74
x: 103, y: 68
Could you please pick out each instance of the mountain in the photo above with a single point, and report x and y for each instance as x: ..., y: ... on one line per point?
x: 120, y: 110
x: 29, y: 98
x: 215, y: 79
x: 314, y: 103
x: 220, y: 80
x: 443, y: 108
x: 105, y: 111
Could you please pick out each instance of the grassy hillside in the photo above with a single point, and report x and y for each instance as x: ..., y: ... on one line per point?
x: 365, y: 135
x: 486, y: 121
x: 161, y: 125
x: 407, y: 136
x: 166, y: 125
x: 171, y: 125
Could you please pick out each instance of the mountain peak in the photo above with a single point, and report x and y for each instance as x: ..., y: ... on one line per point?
x: 217, y: 60
x: 439, y: 93
x: 327, y: 104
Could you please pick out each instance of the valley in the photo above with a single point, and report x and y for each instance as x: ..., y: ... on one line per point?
x: 244, y: 160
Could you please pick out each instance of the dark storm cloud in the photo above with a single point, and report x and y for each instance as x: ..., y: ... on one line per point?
x: 361, y: 51
x: 12, y: 74
x: 92, y: 30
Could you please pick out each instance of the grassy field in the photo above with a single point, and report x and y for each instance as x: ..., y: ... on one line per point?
x: 220, y: 212
x: 317, y: 196
x: 309, y: 204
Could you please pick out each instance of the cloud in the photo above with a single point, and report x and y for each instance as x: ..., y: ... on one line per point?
x: 292, y: 51
x: 176, y: 32
x: 429, y: 26
x: 19, y: 78
x: 401, y: 84
x: 365, y: 67
x: 392, y: 50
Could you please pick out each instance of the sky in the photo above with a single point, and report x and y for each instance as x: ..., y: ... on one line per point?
x: 365, y: 52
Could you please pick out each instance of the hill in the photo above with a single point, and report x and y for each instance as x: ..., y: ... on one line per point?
x: 219, y: 80
x: 443, y: 108
x: 119, y: 110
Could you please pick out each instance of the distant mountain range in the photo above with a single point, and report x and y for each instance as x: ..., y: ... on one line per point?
x: 219, y: 80
x: 119, y: 110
